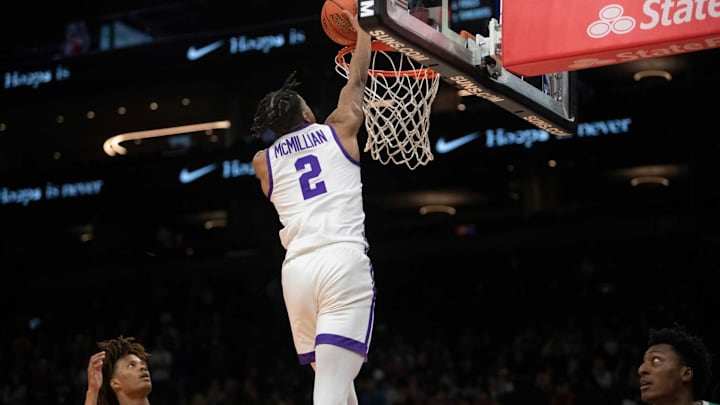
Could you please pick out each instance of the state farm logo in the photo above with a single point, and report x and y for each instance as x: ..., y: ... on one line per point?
x: 605, y: 32
x: 611, y: 20
x: 663, y: 13
x: 680, y: 16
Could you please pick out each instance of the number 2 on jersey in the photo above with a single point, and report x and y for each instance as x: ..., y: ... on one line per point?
x: 310, y: 190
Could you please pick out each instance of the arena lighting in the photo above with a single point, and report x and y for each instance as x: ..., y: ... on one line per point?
x: 437, y: 208
x: 652, y: 73
x: 659, y: 180
x: 112, y: 145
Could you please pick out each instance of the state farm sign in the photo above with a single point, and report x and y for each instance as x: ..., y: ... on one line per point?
x: 546, y: 36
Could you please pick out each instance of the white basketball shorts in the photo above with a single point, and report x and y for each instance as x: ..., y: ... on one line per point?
x: 330, y: 299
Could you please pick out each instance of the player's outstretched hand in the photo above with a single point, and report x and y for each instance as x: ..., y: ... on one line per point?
x: 94, y: 371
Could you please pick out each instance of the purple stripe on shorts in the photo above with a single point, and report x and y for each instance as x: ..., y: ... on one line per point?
x: 341, y: 341
x: 307, y: 358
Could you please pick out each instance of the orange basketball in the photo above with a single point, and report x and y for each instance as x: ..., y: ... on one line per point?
x: 336, y: 24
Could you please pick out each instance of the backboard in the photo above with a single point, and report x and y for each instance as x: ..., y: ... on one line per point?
x: 470, y: 61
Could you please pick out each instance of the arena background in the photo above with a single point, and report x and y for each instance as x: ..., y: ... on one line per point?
x: 544, y: 282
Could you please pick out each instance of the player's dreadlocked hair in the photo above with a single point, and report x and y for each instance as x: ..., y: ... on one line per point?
x: 691, y: 350
x: 115, y: 349
x: 280, y: 110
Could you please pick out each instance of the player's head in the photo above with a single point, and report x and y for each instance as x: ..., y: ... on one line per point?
x: 675, y: 360
x: 125, y: 366
x: 281, y: 110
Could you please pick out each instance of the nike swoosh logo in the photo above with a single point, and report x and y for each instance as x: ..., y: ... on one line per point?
x: 443, y: 146
x: 188, y: 176
x: 197, y: 53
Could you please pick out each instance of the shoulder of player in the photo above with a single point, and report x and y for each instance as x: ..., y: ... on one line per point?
x: 259, y: 156
x: 342, y: 127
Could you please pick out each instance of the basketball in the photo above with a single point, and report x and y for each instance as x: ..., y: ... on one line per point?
x: 336, y: 24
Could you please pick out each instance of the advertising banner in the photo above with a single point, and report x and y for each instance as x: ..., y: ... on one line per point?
x: 546, y: 36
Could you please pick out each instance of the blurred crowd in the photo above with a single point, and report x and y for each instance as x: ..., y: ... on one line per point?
x: 539, y: 328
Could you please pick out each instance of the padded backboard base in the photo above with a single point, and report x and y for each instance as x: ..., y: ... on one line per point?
x: 473, y: 65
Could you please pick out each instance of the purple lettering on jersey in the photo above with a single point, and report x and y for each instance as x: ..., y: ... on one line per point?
x: 297, y: 143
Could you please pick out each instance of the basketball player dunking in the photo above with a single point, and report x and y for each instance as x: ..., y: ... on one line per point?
x: 311, y: 174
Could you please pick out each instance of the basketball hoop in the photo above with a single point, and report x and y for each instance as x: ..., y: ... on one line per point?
x: 397, y: 101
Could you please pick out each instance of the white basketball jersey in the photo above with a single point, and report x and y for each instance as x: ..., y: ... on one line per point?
x: 316, y: 189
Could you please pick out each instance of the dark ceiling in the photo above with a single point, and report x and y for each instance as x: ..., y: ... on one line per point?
x: 555, y: 192
x: 36, y: 31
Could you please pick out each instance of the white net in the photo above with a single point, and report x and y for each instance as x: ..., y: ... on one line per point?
x: 397, y: 103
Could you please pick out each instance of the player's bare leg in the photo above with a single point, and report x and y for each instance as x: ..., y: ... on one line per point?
x: 334, y: 379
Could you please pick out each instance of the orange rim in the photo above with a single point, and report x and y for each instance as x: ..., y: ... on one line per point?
x: 379, y: 46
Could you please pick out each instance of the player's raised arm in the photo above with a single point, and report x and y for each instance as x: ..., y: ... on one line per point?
x: 348, y: 115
